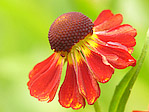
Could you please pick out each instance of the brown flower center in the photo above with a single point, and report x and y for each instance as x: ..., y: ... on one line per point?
x: 68, y: 29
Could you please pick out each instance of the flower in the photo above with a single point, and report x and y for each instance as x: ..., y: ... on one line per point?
x: 140, y: 111
x: 91, y: 50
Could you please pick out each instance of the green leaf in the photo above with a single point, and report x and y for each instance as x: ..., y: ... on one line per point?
x: 123, y: 89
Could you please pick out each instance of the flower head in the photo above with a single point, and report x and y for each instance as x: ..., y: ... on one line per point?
x: 91, y: 50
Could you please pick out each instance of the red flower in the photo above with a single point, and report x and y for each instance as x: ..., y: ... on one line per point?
x: 91, y: 50
x: 141, y: 111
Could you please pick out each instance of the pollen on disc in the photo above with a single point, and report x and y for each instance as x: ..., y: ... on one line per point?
x: 68, y: 29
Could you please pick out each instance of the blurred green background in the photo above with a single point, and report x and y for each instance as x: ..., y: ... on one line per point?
x: 24, y: 26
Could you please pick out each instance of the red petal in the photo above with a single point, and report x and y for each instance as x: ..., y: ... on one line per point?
x: 140, y: 111
x: 88, y: 86
x: 42, y: 66
x: 116, y: 56
x: 123, y: 34
x: 130, y: 50
x: 101, y: 69
x: 43, y: 85
x: 69, y: 95
x: 104, y: 15
x: 112, y: 22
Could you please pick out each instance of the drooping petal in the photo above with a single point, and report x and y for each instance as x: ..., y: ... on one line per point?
x: 123, y: 34
x: 88, y: 86
x: 103, y: 16
x: 112, y: 22
x: 130, y: 50
x: 43, y: 85
x: 101, y: 68
x: 116, y: 56
x: 69, y: 95
x: 140, y: 111
x: 42, y: 66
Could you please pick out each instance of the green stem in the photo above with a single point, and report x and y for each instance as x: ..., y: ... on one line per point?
x: 97, y: 106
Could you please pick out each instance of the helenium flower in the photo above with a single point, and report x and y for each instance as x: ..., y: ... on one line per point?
x: 92, y: 50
